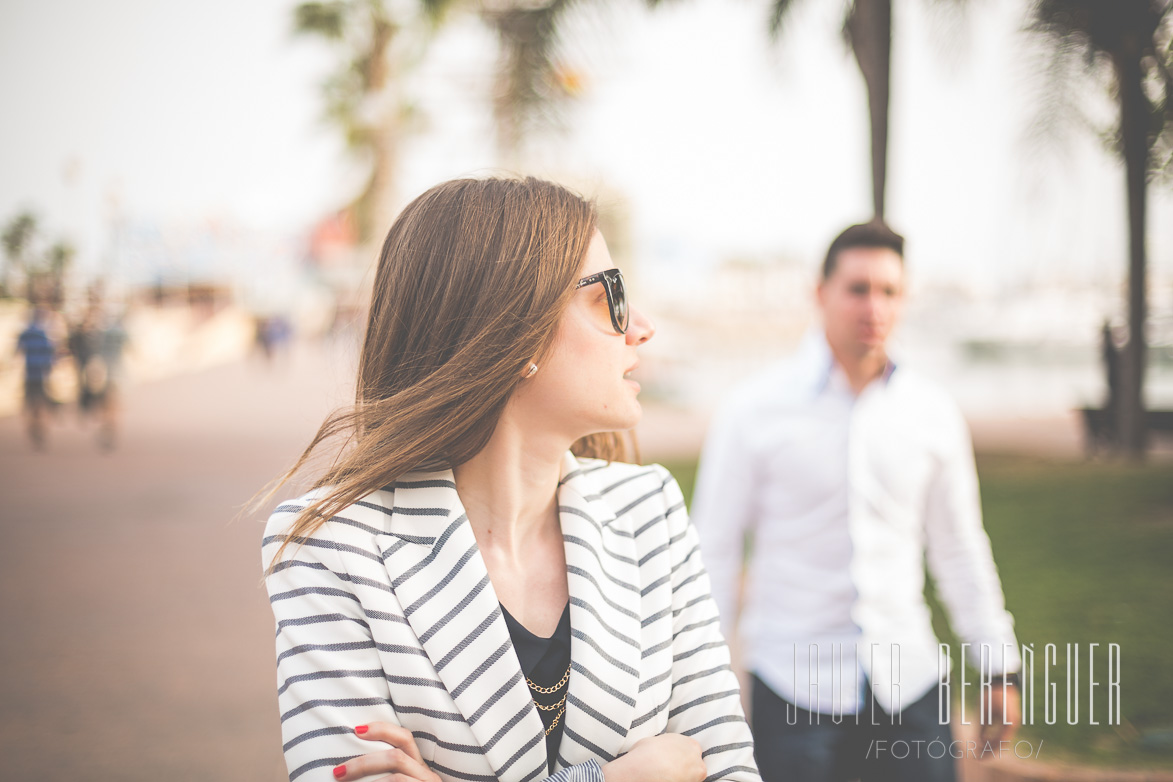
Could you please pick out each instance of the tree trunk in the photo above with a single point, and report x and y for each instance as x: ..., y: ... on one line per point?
x: 870, y: 28
x: 379, y: 201
x: 507, y: 112
x: 375, y: 207
x: 522, y: 60
x: 1134, y: 113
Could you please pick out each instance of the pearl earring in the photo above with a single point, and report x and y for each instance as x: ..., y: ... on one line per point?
x: 533, y: 370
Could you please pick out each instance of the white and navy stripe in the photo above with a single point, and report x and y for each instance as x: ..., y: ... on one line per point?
x: 387, y: 613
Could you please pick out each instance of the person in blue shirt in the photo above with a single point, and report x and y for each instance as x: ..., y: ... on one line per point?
x: 39, y: 353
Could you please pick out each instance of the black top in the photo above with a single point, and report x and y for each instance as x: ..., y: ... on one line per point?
x: 544, y: 662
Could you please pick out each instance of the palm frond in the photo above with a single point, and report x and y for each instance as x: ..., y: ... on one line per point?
x: 60, y: 256
x: 436, y: 11
x: 1161, y: 160
x: 1108, y: 26
x: 527, y: 93
x: 779, y: 10
x: 325, y: 19
x: 845, y: 29
x: 1113, y: 31
x: 950, y: 25
x: 1060, y: 99
x: 18, y: 234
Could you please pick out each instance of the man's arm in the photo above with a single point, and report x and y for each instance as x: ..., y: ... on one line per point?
x: 962, y: 566
x: 723, y: 509
x: 705, y: 704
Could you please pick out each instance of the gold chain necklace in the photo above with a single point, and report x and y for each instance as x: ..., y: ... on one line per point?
x: 560, y: 705
x: 552, y: 706
x: 555, y: 722
x: 550, y: 690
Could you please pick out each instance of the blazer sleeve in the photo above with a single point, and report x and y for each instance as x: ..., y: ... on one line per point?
x: 329, y: 675
x: 705, y: 702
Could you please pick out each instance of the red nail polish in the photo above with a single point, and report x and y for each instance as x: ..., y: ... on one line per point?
x: 361, y: 729
x: 339, y: 772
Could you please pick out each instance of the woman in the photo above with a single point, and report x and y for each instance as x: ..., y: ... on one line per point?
x: 458, y: 585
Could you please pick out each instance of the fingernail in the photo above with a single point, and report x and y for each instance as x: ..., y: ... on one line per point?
x: 339, y: 772
x: 361, y: 729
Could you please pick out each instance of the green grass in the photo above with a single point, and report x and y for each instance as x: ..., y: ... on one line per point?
x: 1085, y: 553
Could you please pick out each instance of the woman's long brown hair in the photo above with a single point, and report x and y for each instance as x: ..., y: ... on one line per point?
x: 473, y: 279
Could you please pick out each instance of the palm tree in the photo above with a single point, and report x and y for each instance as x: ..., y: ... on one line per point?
x: 526, y: 78
x: 58, y: 260
x: 18, y: 237
x: 867, y: 28
x: 1134, y: 38
x: 364, y: 94
x: 531, y: 83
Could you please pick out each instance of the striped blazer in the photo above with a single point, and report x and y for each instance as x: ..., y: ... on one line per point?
x: 387, y: 613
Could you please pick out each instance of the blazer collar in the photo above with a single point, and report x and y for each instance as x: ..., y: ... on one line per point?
x: 440, y: 578
x: 602, y: 574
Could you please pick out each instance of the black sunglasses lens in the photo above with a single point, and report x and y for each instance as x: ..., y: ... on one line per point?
x: 618, y: 300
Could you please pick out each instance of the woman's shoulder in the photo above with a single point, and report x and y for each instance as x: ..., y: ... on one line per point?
x: 605, y: 473
x: 356, y: 525
x: 626, y: 487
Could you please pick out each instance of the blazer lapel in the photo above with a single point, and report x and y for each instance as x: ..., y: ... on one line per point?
x: 603, y: 578
x: 443, y: 586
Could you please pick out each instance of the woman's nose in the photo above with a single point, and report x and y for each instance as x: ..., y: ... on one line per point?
x: 640, y: 329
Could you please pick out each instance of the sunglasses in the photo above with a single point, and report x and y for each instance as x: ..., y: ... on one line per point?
x: 612, y: 280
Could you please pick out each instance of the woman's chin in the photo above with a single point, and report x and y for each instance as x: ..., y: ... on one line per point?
x: 632, y: 419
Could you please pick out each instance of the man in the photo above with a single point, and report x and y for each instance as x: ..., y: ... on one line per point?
x: 849, y: 472
x: 38, y: 350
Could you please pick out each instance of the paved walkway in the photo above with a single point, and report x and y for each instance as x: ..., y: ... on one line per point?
x: 137, y: 639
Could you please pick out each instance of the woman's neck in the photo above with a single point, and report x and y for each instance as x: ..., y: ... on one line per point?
x: 509, y: 490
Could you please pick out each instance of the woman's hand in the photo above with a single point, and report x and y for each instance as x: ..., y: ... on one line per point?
x: 403, y: 760
x: 668, y: 757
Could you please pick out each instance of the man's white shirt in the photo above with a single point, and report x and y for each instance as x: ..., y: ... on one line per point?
x: 845, y: 497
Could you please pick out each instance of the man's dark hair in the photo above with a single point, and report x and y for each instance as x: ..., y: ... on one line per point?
x: 873, y: 234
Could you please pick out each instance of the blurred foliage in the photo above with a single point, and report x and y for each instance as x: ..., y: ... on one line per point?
x: 378, y: 43
x: 41, y: 269
x: 325, y: 19
x: 1098, y: 41
x: 532, y: 82
x: 1084, y: 552
x: 363, y: 94
x: 528, y: 90
x: 18, y: 234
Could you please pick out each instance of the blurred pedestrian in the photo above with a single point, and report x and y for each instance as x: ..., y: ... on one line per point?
x: 112, y: 347
x: 273, y: 335
x: 263, y: 336
x: 847, y: 471
x: 1111, y: 358
x: 39, y: 355
x: 460, y: 585
x: 85, y: 344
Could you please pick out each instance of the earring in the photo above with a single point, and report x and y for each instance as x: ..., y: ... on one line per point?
x: 533, y: 370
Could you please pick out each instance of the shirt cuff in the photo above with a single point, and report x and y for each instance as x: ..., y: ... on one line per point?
x: 590, y: 771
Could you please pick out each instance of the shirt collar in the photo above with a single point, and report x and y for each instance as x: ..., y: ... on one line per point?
x: 823, y: 373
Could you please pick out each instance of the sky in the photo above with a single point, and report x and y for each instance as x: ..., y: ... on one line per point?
x: 720, y: 143
x: 168, y: 110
